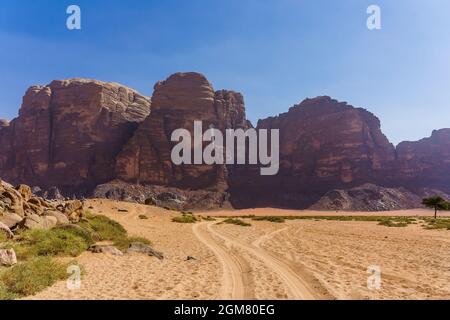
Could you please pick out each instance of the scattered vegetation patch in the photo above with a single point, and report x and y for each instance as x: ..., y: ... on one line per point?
x: 143, y: 217
x: 237, y: 222
x: 208, y: 218
x: 103, y: 228
x: 185, y: 218
x: 30, y: 277
x: 37, y: 270
x: 270, y: 219
x: 433, y: 224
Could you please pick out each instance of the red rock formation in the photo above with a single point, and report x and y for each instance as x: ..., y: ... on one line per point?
x: 76, y: 134
x: 69, y: 132
x: 425, y: 163
x: 176, y: 103
x: 324, y: 144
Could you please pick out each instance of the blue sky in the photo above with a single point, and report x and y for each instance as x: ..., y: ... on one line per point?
x: 276, y: 52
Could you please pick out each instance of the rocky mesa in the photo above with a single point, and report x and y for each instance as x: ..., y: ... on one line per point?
x: 69, y: 133
x: 80, y: 134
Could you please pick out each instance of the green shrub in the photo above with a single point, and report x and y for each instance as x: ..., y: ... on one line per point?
x: 270, y: 219
x: 443, y: 223
x: 54, y: 242
x: 185, y: 218
x: 28, y: 278
x: 208, y: 218
x: 237, y: 222
x: 103, y: 228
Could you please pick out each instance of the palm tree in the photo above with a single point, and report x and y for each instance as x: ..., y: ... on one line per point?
x: 436, y: 203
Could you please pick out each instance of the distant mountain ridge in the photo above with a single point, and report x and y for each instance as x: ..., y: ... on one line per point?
x: 77, y: 134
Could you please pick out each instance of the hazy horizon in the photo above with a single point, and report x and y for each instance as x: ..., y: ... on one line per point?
x: 275, y: 53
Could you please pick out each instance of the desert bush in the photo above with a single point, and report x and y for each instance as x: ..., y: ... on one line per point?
x: 30, y: 277
x: 432, y: 224
x: 185, y: 218
x: 270, y: 219
x: 237, y: 222
x: 143, y: 217
x: 103, y: 228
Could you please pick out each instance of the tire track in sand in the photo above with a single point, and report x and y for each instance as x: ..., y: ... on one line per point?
x: 298, y: 288
x: 236, y: 284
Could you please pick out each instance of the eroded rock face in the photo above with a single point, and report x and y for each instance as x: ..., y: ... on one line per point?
x: 176, y: 103
x: 425, y: 163
x: 163, y: 196
x: 69, y: 132
x: 368, y: 197
x: 324, y: 144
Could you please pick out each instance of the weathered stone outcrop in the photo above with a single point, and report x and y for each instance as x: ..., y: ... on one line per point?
x: 162, y: 196
x: 68, y: 133
x: 368, y: 197
x: 20, y: 209
x: 176, y: 103
x: 324, y: 144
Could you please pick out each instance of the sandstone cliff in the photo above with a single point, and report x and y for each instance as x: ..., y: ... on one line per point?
x: 68, y: 133
x: 324, y: 144
x: 176, y: 103
x: 78, y: 134
x: 425, y: 163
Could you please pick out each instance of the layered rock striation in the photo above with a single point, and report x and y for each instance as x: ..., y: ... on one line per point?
x: 74, y: 135
x: 69, y: 133
x: 177, y: 103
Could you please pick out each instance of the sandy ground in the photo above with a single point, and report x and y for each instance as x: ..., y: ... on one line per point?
x: 302, y: 259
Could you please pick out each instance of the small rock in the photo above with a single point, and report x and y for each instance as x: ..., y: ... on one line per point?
x: 25, y: 192
x: 60, y: 217
x: 146, y: 249
x: 72, y: 207
x: 4, y: 228
x: 10, y: 219
x: 34, y: 221
x: 106, y: 249
x: 7, y: 257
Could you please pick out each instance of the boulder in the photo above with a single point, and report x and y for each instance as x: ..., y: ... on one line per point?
x: 73, y: 206
x: 138, y: 247
x: 106, y: 249
x: 11, y: 199
x: 61, y: 218
x: 5, y: 229
x: 34, y: 221
x: 7, y: 257
x: 10, y: 219
x: 25, y: 191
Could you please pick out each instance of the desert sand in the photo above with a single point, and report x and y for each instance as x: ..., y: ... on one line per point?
x: 301, y: 259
